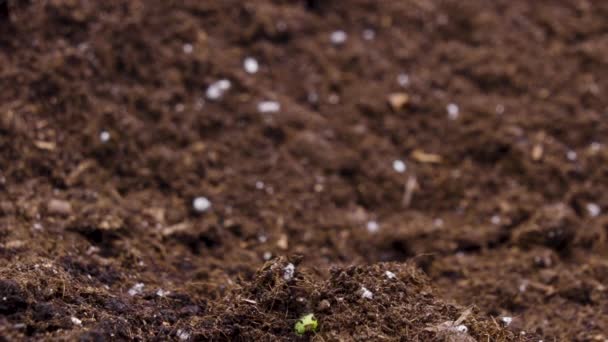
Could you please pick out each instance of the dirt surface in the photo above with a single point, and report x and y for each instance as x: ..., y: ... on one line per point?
x: 434, y: 170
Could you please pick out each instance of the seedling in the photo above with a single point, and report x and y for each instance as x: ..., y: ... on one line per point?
x: 306, y: 323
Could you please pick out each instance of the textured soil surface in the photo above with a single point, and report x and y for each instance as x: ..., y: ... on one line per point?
x: 405, y: 170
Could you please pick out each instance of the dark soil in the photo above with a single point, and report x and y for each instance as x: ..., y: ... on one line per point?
x: 107, y: 136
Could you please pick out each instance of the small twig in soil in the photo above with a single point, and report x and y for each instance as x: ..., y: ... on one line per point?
x: 411, y: 186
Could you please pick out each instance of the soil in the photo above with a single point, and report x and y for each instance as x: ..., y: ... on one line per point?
x: 497, y: 211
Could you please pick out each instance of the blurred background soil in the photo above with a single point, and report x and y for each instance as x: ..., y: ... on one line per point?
x: 460, y: 145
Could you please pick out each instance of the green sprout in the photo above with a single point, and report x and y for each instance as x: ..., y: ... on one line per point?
x: 306, y: 323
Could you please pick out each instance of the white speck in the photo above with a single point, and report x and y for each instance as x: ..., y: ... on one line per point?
x: 462, y: 328
x: 289, y: 271
x: 500, y: 109
x: 403, y: 80
x: 522, y: 332
x: 251, y: 65
x: 201, y: 204
x: 593, y: 209
x: 333, y: 98
x: 262, y: 238
x: 318, y: 187
x: 259, y: 185
x: 38, y: 226
x: 438, y: 223
x: 399, y: 166
x: 367, y: 294
x: 373, y: 226
x: 595, y: 147
x: 267, y: 256
x: 104, y: 136
x: 369, y: 34
x: 75, y: 321
x: 136, y: 289
x: 390, y: 275
x: 223, y: 84
x: 338, y: 37
x: 506, y: 320
x: 313, y: 97
x: 269, y: 107
x: 495, y: 219
x: 523, y: 286
x: 180, y: 107
x: 162, y: 293
x: 453, y: 111
x: 217, y: 89
x: 187, y: 48
x: 183, y: 335
x: 571, y: 155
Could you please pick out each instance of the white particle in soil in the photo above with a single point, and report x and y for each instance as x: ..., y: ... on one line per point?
x: 183, y: 335
x: 162, y: 293
x: 495, y: 219
x: 269, y: 107
x: 595, y: 147
x: 593, y: 209
x: 187, y: 48
x: 403, y: 79
x: 333, y: 99
x: 104, y: 136
x: 251, y: 65
x: 372, y: 226
x: 500, y: 109
x: 369, y: 34
x: 390, y: 275
x: 399, y: 166
x: 201, y: 204
x: 313, y: 97
x: 462, y: 328
x: 223, y: 84
x: 75, y: 321
x: 267, y: 256
x: 262, y: 238
x: 259, y: 185
x: 438, y: 223
x: 367, y: 294
x: 180, y: 107
x: 338, y: 37
x: 506, y: 320
x: 453, y: 111
x: 571, y: 155
x: 217, y: 89
x: 136, y: 289
x: 289, y: 271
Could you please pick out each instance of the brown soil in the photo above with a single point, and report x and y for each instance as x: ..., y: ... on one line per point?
x: 498, y: 213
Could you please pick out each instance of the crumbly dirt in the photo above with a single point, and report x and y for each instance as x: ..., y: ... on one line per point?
x: 107, y: 135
